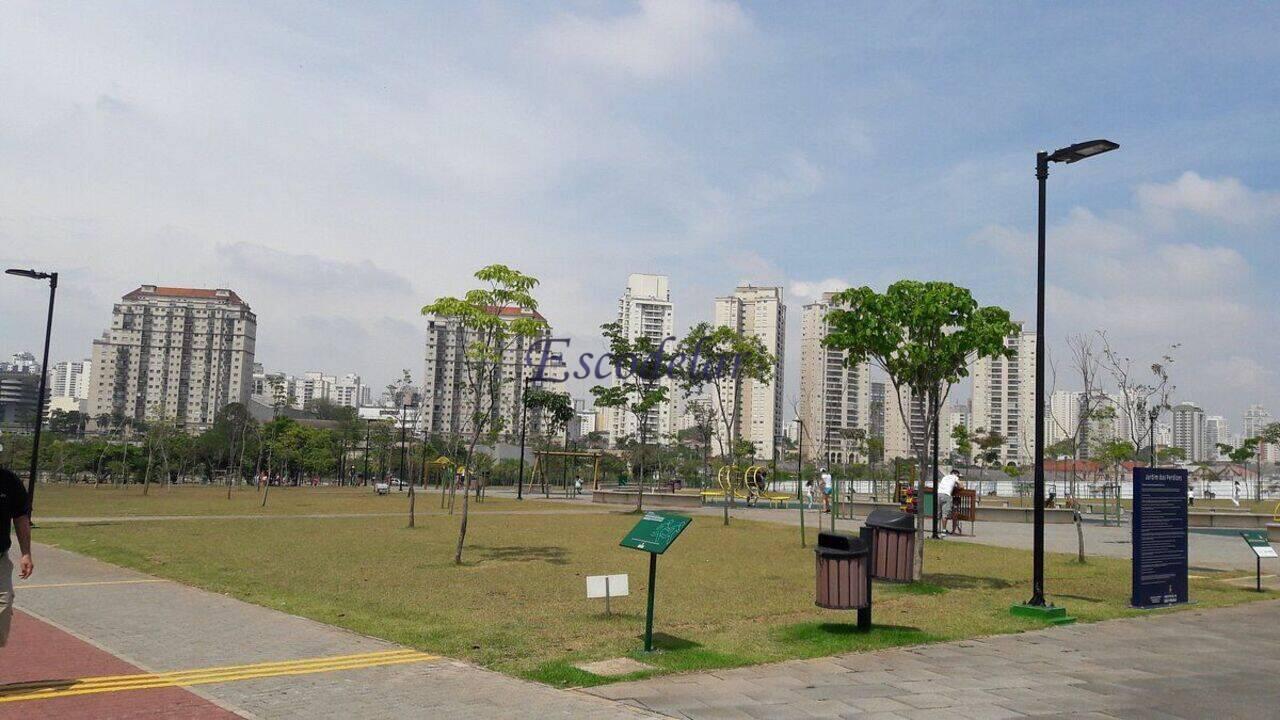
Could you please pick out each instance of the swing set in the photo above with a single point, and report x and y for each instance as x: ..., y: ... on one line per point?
x: 540, y: 467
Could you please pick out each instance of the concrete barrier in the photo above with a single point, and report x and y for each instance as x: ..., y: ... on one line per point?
x: 1273, y: 532
x: 985, y: 513
x: 651, y: 499
x: 1227, y: 519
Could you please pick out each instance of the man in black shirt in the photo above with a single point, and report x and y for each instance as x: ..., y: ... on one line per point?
x: 15, y: 509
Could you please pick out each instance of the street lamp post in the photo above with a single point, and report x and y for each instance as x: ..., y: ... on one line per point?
x: 524, y: 414
x: 1070, y: 154
x: 44, y: 373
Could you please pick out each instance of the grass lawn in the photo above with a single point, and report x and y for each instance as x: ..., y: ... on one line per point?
x: 128, y: 500
x: 726, y: 596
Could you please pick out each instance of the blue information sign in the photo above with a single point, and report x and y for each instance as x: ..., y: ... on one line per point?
x: 1159, y: 537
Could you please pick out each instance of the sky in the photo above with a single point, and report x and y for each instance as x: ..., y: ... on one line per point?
x: 341, y: 165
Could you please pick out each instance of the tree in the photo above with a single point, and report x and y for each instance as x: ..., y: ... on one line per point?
x: 640, y: 369
x: 1144, y: 401
x: 494, y: 318
x: 923, y: 335
x: 725, y: 360
x: 557, y: 409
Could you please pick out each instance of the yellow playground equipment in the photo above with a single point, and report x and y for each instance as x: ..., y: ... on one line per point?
x: 746, y: 484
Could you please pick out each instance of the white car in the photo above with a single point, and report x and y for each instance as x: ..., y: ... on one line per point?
x: 381, y: 488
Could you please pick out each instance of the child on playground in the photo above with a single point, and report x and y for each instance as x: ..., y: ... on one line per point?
x: 811, y: 492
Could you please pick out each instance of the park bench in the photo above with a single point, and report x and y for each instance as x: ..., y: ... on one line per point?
x: 964, y: 506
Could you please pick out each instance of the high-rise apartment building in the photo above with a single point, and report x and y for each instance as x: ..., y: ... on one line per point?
x: 1004, y: 397
x: 1189, y: 430
x: 71, y: 379
x: 875, y: 426
x: 1216, y: 431
x: 448, y: 403
x: 757, y: 312
x: 834, y: 398
x: 1255, y: 419
x: 173, y: 353
x: 645, y: 310
x: 905, y: 433
x: 1063, y: 416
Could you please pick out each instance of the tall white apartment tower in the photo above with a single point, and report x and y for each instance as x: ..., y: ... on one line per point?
x: 71, y: 379
x: 448, y: 394
x: 833, y: 397
x: 645, y: 309
x: 172, y: 353
x: 757, y: 312
x: 1188, y: 430
x: 1004, y: 397
x: 1215, y: 431
x: 1255, y: 419
x: 1063, y: 418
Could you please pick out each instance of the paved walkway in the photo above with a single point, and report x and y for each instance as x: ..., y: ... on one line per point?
x: 142, y: 624
x: 1217, y: 551
x: 1219, y: 664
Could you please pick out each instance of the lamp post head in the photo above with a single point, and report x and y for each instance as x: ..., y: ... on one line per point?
x: 1082, y: 150
x: 33, y: 274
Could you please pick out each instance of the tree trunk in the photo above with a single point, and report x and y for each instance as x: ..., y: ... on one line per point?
x: 1079, y: 537
x: 146, y: 477
x: 411, y: 501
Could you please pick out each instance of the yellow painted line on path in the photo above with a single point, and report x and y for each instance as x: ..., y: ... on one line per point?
x: 88, y: 583
x: 44, y: 690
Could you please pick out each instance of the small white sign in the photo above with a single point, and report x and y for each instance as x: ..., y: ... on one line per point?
x: 1264, y: 552
x: 599, y: 586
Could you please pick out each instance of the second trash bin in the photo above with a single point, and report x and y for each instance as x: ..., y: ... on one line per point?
x: 893, y: 540
x: 843, y: 574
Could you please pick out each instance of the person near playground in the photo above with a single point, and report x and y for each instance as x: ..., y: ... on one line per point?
x: 946, y: 486
x: 826, y: 490
x: 15, y: 510
x: 811, y: 493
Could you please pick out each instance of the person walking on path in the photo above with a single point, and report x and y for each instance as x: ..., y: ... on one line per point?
x: 826, y: 490
x: 15, y: 510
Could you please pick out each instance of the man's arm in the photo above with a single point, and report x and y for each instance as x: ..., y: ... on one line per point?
x: 22, y: 525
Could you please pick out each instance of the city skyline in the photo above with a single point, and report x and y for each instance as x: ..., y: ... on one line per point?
x: 343, y: 223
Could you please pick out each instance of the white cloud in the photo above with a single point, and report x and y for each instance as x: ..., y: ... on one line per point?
x: 1226, y: 199
x: 660, y: 38
x: 811, y: 290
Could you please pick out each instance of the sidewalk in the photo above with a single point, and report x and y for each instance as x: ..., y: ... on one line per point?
x: 283, y: 666
x: 1219, y: 664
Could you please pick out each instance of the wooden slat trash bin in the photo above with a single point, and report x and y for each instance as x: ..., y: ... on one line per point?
x: 893, y: 544
x: 843, y: 574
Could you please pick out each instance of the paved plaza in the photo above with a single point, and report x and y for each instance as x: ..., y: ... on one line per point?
x: 1212, y: 664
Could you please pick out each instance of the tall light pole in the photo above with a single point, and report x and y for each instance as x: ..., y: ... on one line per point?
x: 1070, y: 154
x: 44, y: 373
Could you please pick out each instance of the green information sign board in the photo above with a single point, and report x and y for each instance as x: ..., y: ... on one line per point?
x: 1261, y: 547
x: 656, y: 531
x: 654, y: 534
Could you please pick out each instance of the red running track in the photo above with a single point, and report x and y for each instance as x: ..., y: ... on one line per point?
x: 38, y: 651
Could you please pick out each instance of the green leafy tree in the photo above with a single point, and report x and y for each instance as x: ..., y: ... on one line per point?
x: 923, y: 335
x: 640, y: 370
x: 719, y: 361
x: 495, y: 318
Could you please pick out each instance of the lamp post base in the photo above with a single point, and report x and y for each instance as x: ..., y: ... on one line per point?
x: 1052, y: 614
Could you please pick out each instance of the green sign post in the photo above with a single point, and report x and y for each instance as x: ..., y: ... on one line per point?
x: 1261, y: 547
x: 654, y: 534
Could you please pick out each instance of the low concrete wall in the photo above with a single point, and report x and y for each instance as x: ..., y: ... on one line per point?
x: 985, y: 513
x: 651, y: 499
x: 1227, y: 519
x: 1273, y: 532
